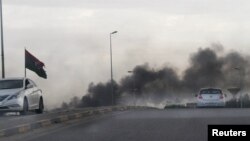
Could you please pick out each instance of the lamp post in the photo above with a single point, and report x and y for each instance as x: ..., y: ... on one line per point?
x: 241, y: 83
x: 112, y: 91
x: 133, y: 90
x: 2, y: 44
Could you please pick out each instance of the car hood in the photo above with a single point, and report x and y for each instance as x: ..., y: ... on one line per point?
x: 9, y: 91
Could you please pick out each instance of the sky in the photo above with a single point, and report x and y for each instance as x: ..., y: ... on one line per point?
x: 72, y: 37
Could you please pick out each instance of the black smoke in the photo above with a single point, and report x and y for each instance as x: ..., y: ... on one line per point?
x: 100, y: 95
x: 208, y: 68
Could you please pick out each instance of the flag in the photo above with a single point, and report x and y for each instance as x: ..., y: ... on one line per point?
x: 35, y: 65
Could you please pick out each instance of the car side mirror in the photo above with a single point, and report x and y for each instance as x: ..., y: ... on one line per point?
x: 28, y: 86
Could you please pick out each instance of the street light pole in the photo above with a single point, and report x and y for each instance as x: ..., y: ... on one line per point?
x: 134, y: 89
x: 112, y: 90
x: 2, y: 43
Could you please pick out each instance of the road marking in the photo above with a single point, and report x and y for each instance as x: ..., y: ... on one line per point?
x: 23, y: 128
x: 60, y: 127
x: 60, y: 119
x: 78, y: 115
x: 64, y: 118
x: 45, y: 123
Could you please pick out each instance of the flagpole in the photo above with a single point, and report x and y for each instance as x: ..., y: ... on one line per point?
x: 2, y: 44
x: 24, y: 63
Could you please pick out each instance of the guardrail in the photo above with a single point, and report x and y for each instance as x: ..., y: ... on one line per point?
x: 66, y: 116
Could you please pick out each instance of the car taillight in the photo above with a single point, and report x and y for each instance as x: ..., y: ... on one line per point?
x: 221, y: 96
x: 200, y: 97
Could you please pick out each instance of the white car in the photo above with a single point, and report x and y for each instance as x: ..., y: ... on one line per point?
x: 20, y: 95
x: 211, y: 97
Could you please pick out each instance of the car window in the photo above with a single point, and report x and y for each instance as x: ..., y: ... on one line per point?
x: 211, y: 91
x: 11, y: 84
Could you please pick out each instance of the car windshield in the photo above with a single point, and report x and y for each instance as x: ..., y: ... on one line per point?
x: 211, y: 91
x: 11, y: 84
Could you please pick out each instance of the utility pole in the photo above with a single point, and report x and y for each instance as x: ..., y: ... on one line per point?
x: 112, y: 89
x: 2, y: 42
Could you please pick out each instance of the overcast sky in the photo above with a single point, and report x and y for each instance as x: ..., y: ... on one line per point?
x: 72, y: 37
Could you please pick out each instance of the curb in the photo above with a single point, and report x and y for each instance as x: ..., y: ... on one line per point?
x: 61, y: 119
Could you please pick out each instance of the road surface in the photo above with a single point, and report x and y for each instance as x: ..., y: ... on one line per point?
x: 140, y: 125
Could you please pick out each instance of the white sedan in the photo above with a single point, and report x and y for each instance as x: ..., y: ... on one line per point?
x: 211, y: 97
x: 20, y: 95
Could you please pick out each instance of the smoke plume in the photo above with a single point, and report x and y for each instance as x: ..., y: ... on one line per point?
x: 146, y: 85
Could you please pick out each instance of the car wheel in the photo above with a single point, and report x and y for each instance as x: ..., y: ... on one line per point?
x: 41, y: 107
x: 25, y: 107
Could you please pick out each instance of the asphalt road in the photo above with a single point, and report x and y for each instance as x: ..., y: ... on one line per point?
x: 141, y: 125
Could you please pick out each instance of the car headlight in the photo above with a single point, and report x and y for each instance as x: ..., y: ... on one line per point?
x: 15, y: 96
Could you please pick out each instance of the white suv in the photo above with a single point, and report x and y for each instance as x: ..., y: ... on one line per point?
x: 210, y: 97
x: 20, y: 95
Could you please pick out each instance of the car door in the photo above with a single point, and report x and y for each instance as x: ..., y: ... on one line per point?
x: 29, y: 89
x: 35, y: 94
